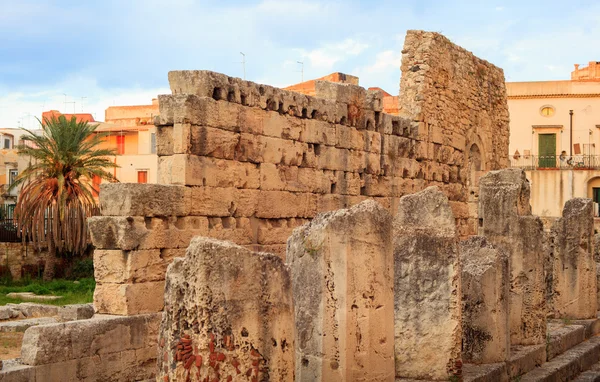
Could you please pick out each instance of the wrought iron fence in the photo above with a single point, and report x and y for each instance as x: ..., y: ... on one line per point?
x: 556, y: 162
x: 9, y: 232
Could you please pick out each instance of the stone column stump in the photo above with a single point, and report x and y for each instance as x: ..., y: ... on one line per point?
x: 342, y: 272
x: 427, y: 293
x: 485, y: 291
x: 505, y: 220
x: 228, y: 316
x: 574, y: 293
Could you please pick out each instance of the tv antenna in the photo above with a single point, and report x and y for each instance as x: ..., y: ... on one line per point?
x: 243, y: 64
x: 301, y: 70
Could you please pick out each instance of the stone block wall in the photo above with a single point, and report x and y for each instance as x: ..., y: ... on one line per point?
x: 103, y: 348
x: 458, y: 101
x: 249, y: 163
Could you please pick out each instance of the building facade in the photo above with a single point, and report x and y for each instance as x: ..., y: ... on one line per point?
x: 132, y: 134
x: 555, y: 137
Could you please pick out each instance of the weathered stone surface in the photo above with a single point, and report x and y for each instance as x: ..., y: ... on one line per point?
x: 76, y: 312
x: 133, y: 199
x: 505, y: 220
x: 99, y: 349
x: 129, y: 299
x: 22, y: 325
x: 342, y: 272
x: 33, y: 310
x: 112, y: 232
x: 574, y: 293
x: 227, y: 309
x: 426, y: 288
x: 485, y: 292
x: 137, y: 233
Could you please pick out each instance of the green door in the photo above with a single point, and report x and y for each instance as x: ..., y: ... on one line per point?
x: 547, y: 150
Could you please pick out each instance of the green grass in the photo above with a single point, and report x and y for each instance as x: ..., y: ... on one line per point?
x: 72, y: 292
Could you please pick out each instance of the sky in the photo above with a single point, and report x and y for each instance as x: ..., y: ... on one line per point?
x: 86, y: 55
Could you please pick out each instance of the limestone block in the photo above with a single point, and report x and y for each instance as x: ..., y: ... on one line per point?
x: 427, y: 288
x: 341, y: 93
x: 129, y: 299
x: 505, y: 220
x: 191, y: 170
x: 216, y: 201
x: 101, y: 335
x: 110, y: 265
x: 259, y: 149
x: 33, y: 310
x: 277, y: 231
x: 297, y: 179
x: 342, y: 272
x: 281, y: 126
x: 485, y: 284
x: 200, y: 111
x: 116, y: 232
x: 318, y: 132
x: 574, y: 294
x: 227, y: 311
x: 213, y: 142
x: 283, y: 204
x: 133, y: 199
x: 131, y: 233
x: 350, y: 138
x: 238, y: 230
x: 213, y: 201
x: 76, y: 312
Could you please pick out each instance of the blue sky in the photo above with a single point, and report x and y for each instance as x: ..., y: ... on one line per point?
x: 119, y: 52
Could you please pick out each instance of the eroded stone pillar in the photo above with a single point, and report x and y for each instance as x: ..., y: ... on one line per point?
x: 485, y: 287
x: 228, y: 313
x: 427, y: 292
x: 505, y: 220
x: 574, y: 293
x: 342, y: 272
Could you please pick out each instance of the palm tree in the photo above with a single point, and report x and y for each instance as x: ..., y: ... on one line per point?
x: 56, y: 197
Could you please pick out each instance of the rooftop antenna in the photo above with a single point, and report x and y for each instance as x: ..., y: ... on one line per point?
x: 244, y: 64
x: 65, y: 103
x: 82, y: 98
x: 301, y: 70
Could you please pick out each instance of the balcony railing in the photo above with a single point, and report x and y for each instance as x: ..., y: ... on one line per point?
x: 556, y: 162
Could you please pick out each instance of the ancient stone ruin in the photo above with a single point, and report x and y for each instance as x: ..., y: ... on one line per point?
x: 316, y: 238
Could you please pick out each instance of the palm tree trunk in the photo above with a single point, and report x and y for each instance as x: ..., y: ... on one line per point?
x: 51, y: 260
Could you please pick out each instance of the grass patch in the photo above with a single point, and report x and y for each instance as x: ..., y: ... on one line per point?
x: 73, y: 292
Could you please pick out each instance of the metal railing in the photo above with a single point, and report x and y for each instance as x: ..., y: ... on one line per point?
x: 8, y: 229
x: 556, y: 162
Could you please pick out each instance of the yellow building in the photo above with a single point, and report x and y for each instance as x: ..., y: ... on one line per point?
x: 132, y: 135
x: 554, y: 136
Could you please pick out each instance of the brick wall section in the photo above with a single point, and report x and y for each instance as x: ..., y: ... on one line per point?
x: 251, y: 162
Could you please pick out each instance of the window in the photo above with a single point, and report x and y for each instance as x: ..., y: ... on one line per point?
x: 96, y: 180
x: 6, y: 143
x: 142, y: 176
x: 153, y: 143
x: 120, y: 144
x: 12, y: 176
x: 547, y: 111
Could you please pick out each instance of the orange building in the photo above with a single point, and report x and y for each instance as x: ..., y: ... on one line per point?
x: 80, y: 116
x: 131, y: 134
x: 390, y: 102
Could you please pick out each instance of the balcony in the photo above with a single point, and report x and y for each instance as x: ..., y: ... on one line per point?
x: 556, y: 162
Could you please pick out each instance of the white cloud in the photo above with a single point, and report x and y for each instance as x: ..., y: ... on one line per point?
x: 499, y: 9
x: 384, y: 61
x: 329, y: 54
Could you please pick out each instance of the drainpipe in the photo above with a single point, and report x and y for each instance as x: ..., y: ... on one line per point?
x: 571, y: 132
